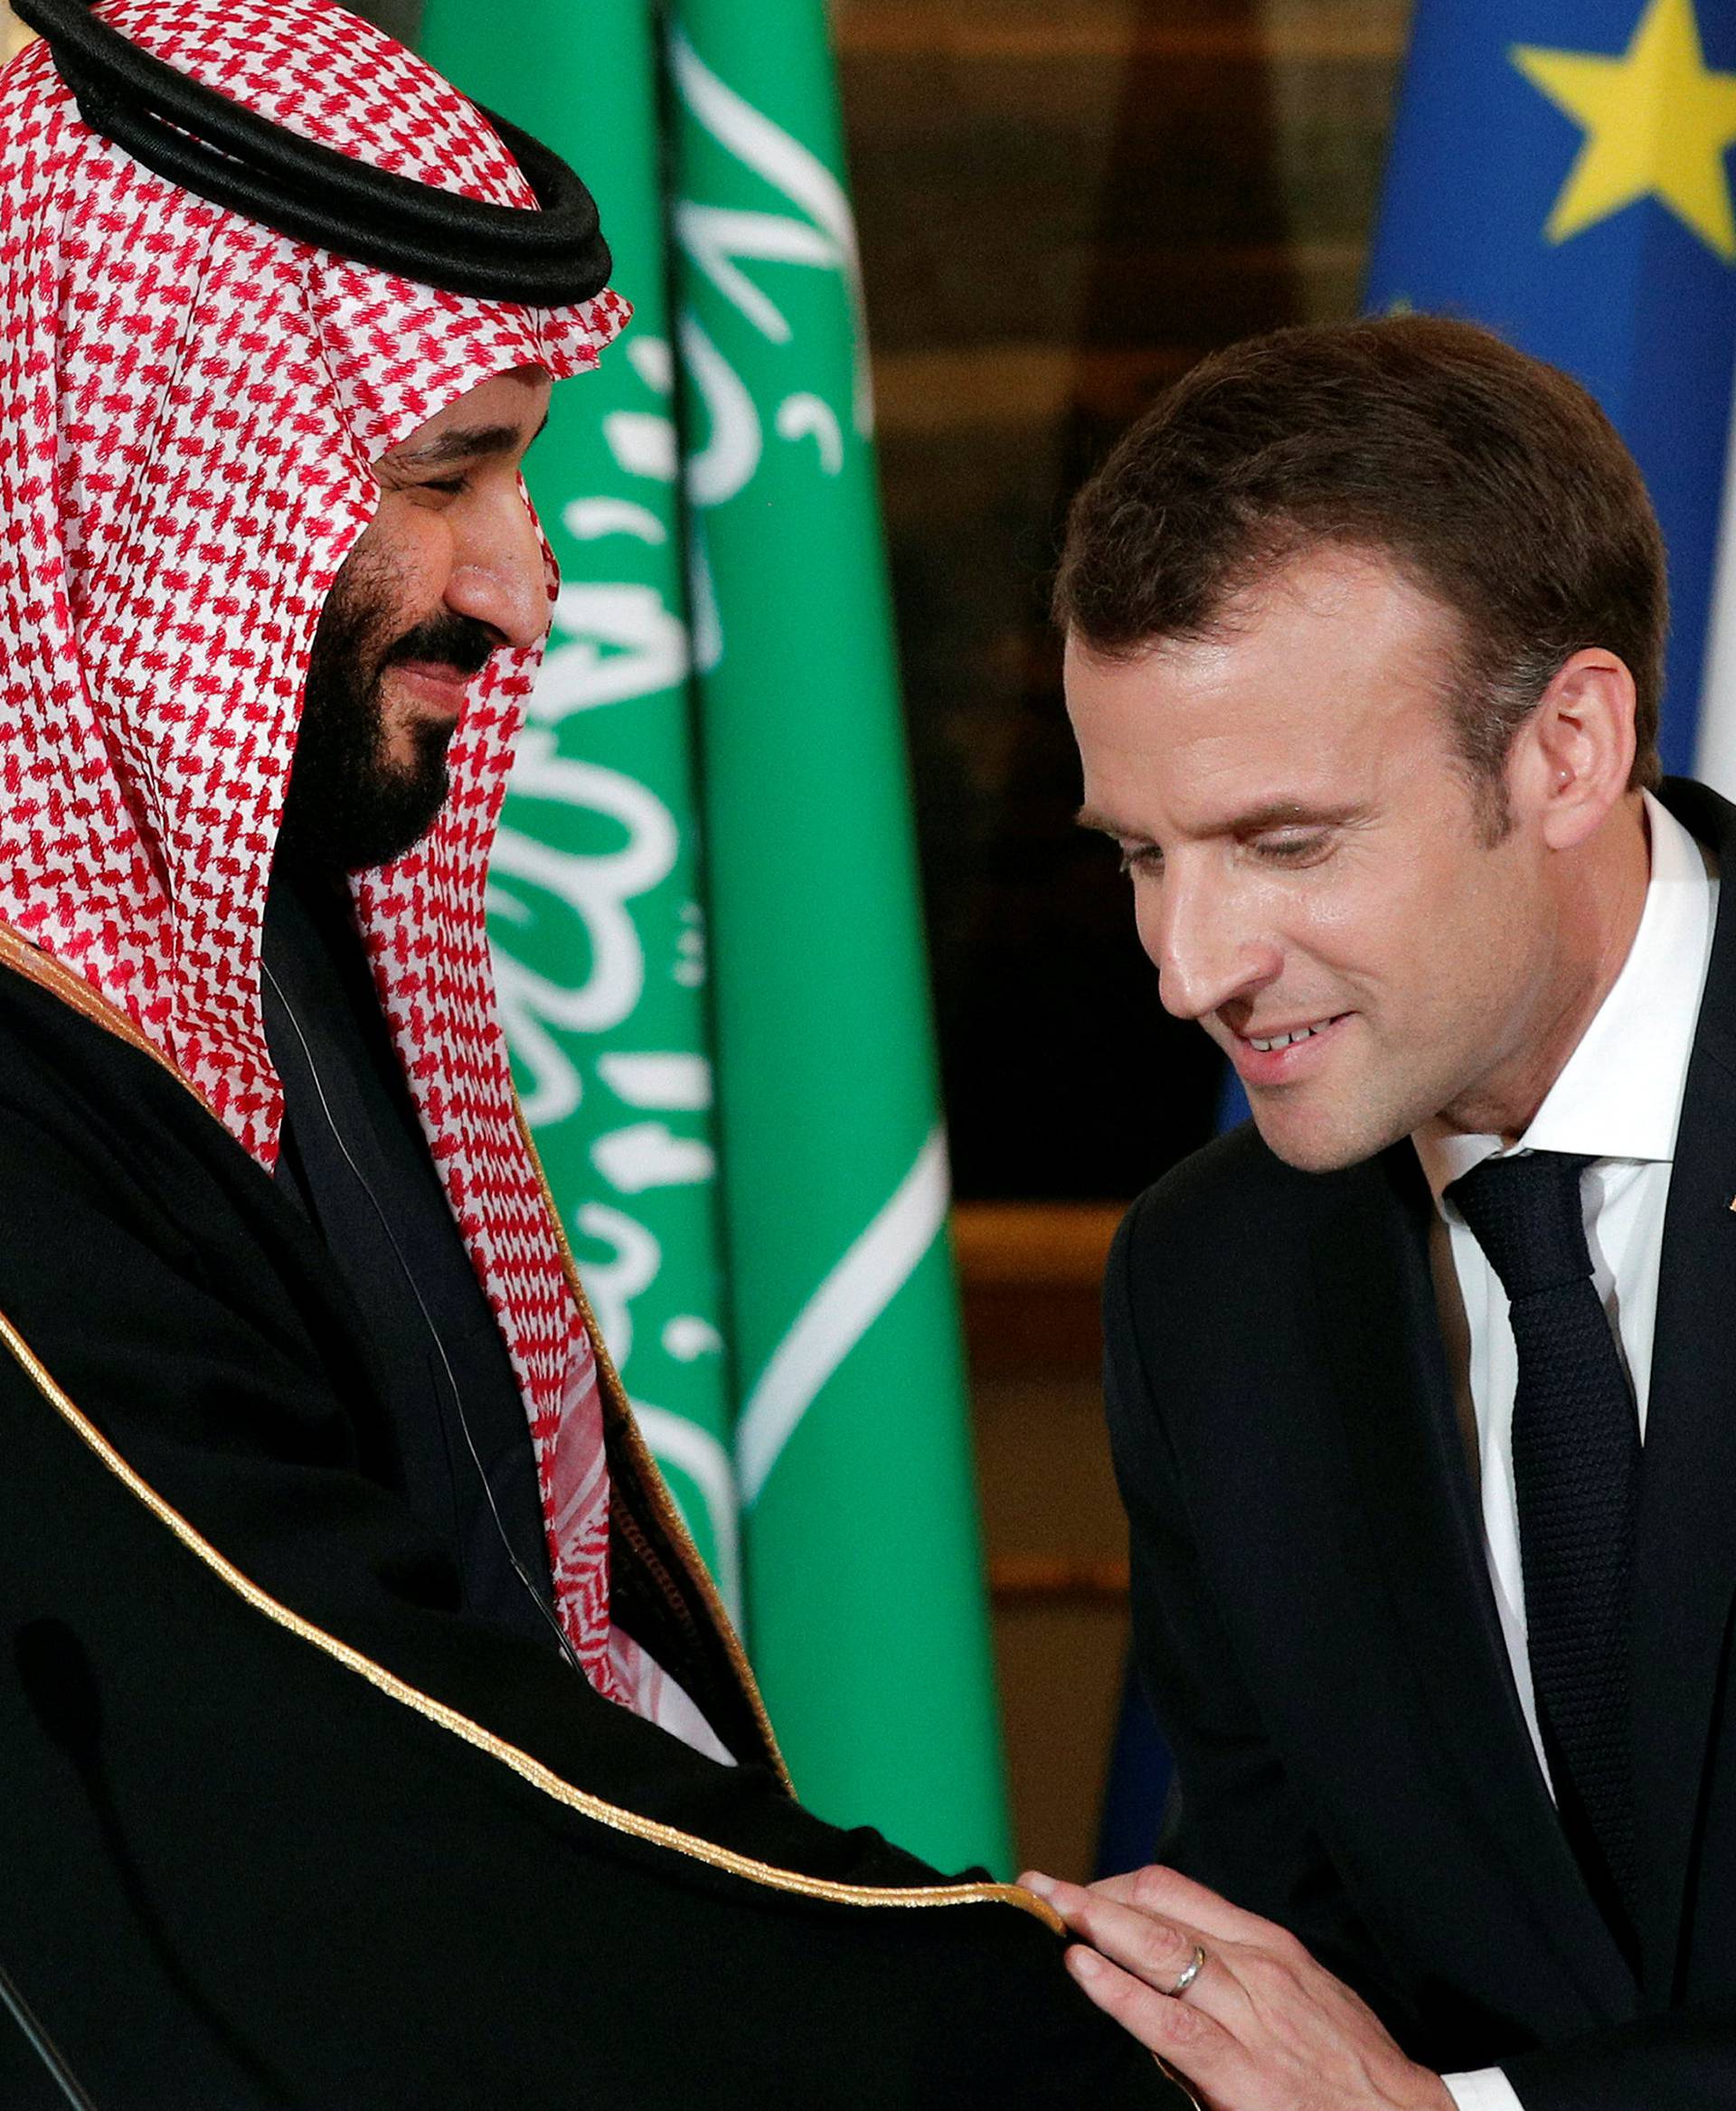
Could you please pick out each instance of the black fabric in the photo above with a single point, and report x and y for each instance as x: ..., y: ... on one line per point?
x: 452, y: 1438
x: 238, y: 1871
x: 1315, y: 1621
x: 1576, y: 1485
x: 552, y: 257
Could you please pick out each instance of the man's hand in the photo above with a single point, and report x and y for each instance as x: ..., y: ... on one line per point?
x: 1262, y: 2027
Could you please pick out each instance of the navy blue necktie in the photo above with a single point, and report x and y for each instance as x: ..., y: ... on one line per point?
x: 1576, y: 1455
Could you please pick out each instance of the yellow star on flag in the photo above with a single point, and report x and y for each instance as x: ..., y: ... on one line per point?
x: 1656, y: 123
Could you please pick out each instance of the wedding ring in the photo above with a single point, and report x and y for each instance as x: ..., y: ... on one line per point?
x: 1196, y: 1965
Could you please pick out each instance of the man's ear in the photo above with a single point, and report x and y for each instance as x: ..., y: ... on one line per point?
x: 1573, y: 759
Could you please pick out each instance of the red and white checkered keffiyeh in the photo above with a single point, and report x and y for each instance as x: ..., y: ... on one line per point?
x: 189, y: 405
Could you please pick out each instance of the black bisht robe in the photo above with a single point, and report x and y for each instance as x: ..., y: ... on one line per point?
x: 281, y: 1823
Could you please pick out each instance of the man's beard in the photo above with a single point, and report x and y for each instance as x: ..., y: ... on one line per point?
x: 351, y: 806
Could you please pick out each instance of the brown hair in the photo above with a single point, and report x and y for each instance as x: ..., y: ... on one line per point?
x: 1492, y: 481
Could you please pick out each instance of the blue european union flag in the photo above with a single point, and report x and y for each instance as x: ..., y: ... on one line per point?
x: 1559, y: 170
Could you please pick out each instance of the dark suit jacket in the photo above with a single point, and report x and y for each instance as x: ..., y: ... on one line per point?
x: 1315, y: 1627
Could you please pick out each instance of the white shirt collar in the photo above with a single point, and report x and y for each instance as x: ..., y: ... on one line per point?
x: 1619, y: 1093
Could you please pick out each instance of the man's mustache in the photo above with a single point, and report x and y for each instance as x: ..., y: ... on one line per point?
x: 446, y: 640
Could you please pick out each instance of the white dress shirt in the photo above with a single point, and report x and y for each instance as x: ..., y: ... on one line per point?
x: 1617, y: 1101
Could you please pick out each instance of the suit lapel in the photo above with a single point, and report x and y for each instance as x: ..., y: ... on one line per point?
x: 1382, y: 1334
x: 1685, y: 1565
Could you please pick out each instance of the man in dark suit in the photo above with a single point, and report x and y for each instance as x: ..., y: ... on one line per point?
x: 1421, y: 1387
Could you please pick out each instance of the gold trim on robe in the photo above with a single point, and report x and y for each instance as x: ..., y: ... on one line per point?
x: 30, y: 961
x: 532, y: 1770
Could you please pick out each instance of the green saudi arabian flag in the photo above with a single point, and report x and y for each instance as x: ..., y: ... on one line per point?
x: 594, y: 893
x: 770, y: 1266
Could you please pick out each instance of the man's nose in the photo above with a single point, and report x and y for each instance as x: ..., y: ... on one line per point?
x: 499, y: 577
x: 1206, y: 946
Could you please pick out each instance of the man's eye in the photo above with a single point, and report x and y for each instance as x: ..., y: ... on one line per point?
x: 1141, y: 857
x: 448, y: 486
x: 1293, y: 850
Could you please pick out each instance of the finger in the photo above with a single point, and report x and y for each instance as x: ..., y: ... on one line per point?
x: 1193, y: 2043
x: 1156, y: 1951
x: 1166, y: 1891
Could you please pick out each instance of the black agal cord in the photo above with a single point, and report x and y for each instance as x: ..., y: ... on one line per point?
x: 222, y: 151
